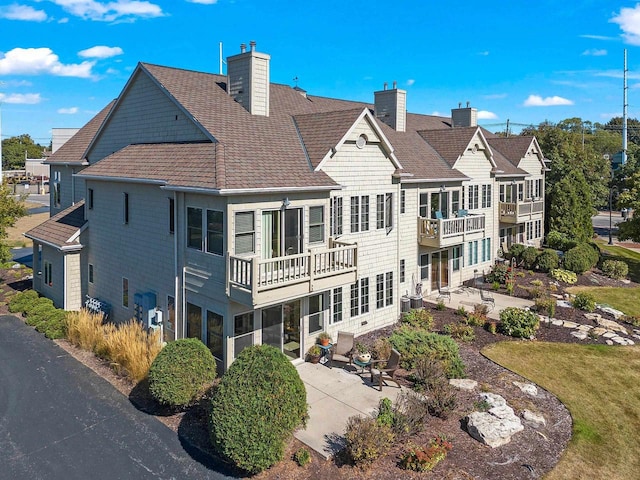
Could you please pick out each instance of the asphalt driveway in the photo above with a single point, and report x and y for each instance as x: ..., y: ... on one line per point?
x: 59, y: 420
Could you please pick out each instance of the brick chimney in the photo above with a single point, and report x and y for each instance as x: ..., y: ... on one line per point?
x: 248, y: 79
x: 390, y: 107
x: 464, y: 117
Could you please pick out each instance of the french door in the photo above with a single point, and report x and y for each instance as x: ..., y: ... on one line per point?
x: 281, y: 328
x: 439, y: 270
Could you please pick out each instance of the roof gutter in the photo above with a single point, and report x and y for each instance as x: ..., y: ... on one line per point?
x: 431, y: 180
x: 64, y: 248
x: 241, y: 191
x: 120, y: 179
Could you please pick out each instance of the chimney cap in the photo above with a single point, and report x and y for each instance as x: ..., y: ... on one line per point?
x: 395, y: 85
x: 252, y: 44
x: 386, y: 85
x: 243, y: 47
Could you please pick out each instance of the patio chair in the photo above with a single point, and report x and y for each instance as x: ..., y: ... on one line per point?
x: 444, y: 292
x: 388, y: 373
x: 342, y: 350
x: 487, y: 298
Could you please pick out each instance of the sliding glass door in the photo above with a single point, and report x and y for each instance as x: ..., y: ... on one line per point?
x: 282, y: 232
x: 281, y: 328
x: 439, y: 270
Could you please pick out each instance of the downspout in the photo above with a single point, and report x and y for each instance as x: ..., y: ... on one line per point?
x: 73, y: 188
x: 175, y: 265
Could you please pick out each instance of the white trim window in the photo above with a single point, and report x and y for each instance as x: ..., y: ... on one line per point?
x: 384, y: 213
x: 380, y: 290
x: 335, y: 216
x: 194, y: 228
x: 245, y: 233
x: 48, y: 273
x: 424, y: 266
x: 473, y: 197
x: 336, y: 305
x: 388, y: 298
x: 316, y: 224
x: 486, y: 196
x: 215, y: 232
x: 355, y: 299
x: 473, y: 252
x: 364, y: 295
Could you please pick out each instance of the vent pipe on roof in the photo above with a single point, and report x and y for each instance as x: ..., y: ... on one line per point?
x: 243, y: 47
x: 252, y: 44
x: 390, y: 107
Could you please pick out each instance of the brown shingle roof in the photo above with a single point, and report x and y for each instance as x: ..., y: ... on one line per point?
x: 320, y: 132
x: 178, y: 164
x: 61, y: 228
x: 74, y: 149
x: 513, y: 148
x: 451, y: 143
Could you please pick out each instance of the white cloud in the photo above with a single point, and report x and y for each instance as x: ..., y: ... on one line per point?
x: 204, y: 2
x: 629, y: 21
x: 597, y: 37
x: 495, y: 96
x: 110, y: 11
x: 484, y: 54
x: 486, y: 115
x: 21, y: 98
x: 538, y: 101
x: 436, y: 113
x: 68, y: 111
x: 610, y: 115
x: 39, y: 61
x: 100, y: 51
x: 410, y: 82
x: 595, y: 52
x: 64, y: 20
x: 22, y: 12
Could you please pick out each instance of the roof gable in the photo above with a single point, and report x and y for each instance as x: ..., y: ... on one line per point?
x: 453, y: 143
x: 517, y: 148
x: 62, y: 230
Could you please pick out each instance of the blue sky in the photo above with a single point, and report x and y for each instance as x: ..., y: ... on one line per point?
x: 61, y: 61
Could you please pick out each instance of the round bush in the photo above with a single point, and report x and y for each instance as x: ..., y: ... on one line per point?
x: 258, y: 404
x: 581, y: 258
x: 519, y: 323
x: 529, y: 257
x: 415, y: 342
x: 585, y: 301
x: 547, y: 260
x: 180, y: 371
x: 515, y: 251
x: 21, y: 300
x: 615, y: 269
x: 556, y: 240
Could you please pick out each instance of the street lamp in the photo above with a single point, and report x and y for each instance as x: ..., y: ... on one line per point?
x: 613, y: 187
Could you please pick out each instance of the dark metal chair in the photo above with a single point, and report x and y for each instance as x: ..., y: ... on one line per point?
x: 388, y: 373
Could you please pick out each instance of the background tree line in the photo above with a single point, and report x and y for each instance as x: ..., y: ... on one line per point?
x: 14, y: 150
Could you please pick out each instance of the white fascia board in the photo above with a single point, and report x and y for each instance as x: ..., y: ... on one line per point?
x: 243, y: 191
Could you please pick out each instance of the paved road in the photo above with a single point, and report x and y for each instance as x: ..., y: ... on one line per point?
x: 59, y: 420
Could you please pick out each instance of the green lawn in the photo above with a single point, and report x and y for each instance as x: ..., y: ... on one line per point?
x: 620, y: 253
x: 620, y: 298
x: 600, y: 386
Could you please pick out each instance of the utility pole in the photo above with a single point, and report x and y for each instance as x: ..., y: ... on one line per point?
x: 624, y: 112
x: 1, y: 83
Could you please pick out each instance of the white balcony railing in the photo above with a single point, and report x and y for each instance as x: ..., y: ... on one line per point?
x: 255, y: 274
x: 442, y: 229
x: 520, y: 211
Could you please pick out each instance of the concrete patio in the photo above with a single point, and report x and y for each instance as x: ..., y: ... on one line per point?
x: 336, y: 394
x: 468, y: 297
x: 333, y: 396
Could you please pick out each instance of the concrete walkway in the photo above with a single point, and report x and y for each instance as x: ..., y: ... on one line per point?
x: 333, y: 396
x: 468, y: 297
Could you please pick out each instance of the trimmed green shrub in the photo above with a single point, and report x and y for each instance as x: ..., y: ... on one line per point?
x: 55, y: 325
x: 529, y: 257
x: 258, y: 404
x: 180, y: 371
x: 581, y: 258
x: 515, y: 251
x: 615, y: 269
x: 517, y: 322
x: 413, y: 343
x: 556, y: 240
x: 366, y: 440
x: 302, y: 457
x: 418, y: 318
x: 584, y: 301
x: 460, y: 331
x: 499, y: 273
x: 564, y: 275
x: 21, y: 300
x: 547, y: 260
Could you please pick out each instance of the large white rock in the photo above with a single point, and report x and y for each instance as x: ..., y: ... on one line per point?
x: 533, y: 418
x: 611, y: 325
x: 463, y: 383
x: 496, y: 426
x: 528, y: 388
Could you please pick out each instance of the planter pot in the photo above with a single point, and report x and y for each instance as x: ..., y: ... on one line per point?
x: 314, y: 358
x: 324, y: 342
x: 363, y: 357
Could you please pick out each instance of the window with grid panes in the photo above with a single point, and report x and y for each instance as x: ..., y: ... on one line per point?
x: 380, y: 290
x: 355, y: 304
x: 335, y: 215
x: 245, y: 233
x: 355, y: 214
x: 389, y: 289
x: 364, y: 295
x: 316, y: 224
x: 337, y: 305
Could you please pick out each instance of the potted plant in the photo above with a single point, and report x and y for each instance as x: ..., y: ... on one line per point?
x: 314, y: 353
x: 324, y: 339
x: 362, y: 353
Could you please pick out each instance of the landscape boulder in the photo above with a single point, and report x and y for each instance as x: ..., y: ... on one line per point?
x: 496, y: 426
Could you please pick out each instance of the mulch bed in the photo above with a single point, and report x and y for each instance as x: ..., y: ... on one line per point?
x: 531, y: 453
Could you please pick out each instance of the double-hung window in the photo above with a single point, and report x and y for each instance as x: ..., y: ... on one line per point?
x: 355, y: 299
x: 337, y: 305
x: 194, y: 228
x: 364, y: 295
x: 355, y: 214
x: 380, y: 290
x: 316, y: 224
x: 245, y: 233
x: 486, y: 196
x: 336, y: 216
x: 215, y: 232
x: 473, y: 197
x: 384, y: 213
x: 388, y: 300
x: 359, y: 214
